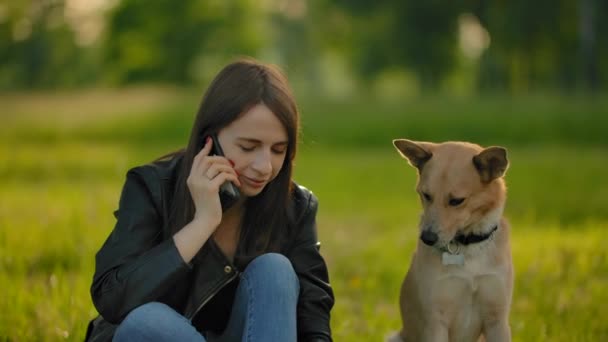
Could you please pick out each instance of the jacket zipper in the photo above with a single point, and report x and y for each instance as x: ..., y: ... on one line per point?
x: 236, y: 273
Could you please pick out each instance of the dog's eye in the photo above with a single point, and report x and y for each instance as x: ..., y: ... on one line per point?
x: 454, y: 202
x: 427, y: 196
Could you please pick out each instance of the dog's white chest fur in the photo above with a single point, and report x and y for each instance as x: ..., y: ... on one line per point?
x: 467, y: 290
x: 476, y: 265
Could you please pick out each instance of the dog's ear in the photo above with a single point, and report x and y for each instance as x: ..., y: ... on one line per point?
x: 414, y: 152
x: 491, y: 163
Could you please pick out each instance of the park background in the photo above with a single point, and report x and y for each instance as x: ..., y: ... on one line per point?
x: 91, y: 88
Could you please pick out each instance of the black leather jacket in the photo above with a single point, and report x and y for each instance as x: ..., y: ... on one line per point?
x: 139, y: 261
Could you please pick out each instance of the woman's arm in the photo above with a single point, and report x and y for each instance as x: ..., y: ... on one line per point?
x: 134, y: 265
x: 207, y: 174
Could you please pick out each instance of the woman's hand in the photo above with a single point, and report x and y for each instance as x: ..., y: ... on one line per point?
x: 208, y: 173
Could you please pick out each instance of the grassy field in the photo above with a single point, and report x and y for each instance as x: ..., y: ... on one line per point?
x: 63, y: 158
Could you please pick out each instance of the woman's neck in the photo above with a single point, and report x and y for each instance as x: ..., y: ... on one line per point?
x: 226, y: 236
x: 236, y: 210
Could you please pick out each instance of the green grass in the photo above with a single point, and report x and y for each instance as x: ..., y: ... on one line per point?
x: 60, y: 181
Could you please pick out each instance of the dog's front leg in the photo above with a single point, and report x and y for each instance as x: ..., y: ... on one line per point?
x: 495, y: 295
x: 496, y: 324
x: 435, y: 333
x: 497, y: 331
x: 436, y: 327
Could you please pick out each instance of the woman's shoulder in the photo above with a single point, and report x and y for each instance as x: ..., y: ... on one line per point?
x: 156, y: 179
x: 304, y: 200
x: 158, y: 170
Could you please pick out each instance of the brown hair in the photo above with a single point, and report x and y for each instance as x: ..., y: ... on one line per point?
x: 238, y: 87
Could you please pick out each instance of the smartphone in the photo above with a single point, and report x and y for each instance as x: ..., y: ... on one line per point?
x: 229, y: 193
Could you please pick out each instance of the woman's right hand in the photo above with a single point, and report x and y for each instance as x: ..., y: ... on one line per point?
x: 208, y: 173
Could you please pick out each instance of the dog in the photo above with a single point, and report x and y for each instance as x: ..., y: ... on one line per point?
x: 460, y: 282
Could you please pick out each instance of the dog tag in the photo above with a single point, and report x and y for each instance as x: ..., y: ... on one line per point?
x: 452, y: 259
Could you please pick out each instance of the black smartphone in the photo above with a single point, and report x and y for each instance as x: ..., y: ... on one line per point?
x: 229, y: 193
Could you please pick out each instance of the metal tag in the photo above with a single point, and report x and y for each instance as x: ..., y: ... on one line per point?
x: 452, y: 259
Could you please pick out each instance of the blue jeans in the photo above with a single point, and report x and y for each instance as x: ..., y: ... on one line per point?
x: 264, y: 309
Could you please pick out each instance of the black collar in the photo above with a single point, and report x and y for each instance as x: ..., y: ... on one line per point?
x: 474, y: 238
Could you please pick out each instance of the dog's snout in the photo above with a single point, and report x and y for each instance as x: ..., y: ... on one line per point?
x: 428, y: 237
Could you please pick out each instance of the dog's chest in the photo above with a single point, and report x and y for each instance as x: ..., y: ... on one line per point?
x: 475, y: 267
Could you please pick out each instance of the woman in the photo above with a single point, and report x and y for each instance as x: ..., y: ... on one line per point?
x: 179, y: 267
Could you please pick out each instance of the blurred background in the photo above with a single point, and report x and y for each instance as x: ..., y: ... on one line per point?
x: 91, y: 88
x: 336, y: 48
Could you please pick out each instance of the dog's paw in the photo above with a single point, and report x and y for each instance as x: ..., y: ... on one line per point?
x: 394, y: 337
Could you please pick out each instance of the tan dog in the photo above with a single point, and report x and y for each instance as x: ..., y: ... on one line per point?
x: 460, y: 281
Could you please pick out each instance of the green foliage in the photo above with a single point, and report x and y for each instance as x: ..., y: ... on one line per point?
x: 58, y: 193
x: 532, y: 45
x: 38, y: 49
x: 523, y: 45
x: 161, y: 40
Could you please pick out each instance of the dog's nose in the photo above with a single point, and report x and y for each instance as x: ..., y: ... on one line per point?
x: 428, y: 237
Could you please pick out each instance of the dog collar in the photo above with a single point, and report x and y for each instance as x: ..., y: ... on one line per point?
x: 451, y: 256
x: 453, y: 247
x: 473, y: 238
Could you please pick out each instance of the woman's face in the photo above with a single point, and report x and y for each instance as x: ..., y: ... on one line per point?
x: 256, y: 143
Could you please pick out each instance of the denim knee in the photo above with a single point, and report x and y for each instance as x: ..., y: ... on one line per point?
x: 152, y: 319
x: 145, y: 314
x: 275, y: 273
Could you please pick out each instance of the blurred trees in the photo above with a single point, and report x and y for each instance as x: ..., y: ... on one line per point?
x: 539, y: 44
x: 39, y: 49
x: 544, y: 43
x: 514, y: 45
x: 161, y: 40
x: 419, y: 35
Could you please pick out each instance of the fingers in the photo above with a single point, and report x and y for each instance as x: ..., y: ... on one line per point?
x: 203, y: 161
x: 207, y: 168
x: 211, y: 166
x: 218, y: 168
x: 223, y: 177
x: 205, y: 150
x: 200, y: 156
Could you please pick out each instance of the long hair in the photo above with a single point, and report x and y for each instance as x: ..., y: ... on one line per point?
x: 237, y: 88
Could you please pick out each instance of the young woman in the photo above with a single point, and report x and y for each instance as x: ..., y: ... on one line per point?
x: 181, y: 264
